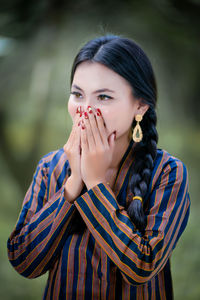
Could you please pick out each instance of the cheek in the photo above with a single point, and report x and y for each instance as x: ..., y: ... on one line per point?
x: 109, y: 119
x: 72, y: 107
x: 118, y: 120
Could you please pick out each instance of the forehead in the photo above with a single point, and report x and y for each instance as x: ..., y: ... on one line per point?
x: 96, y: 75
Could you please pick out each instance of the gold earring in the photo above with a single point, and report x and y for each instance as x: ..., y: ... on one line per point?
x: 137, y: 131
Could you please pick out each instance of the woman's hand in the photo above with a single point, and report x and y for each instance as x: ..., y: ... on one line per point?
x: 72, y: 150
x: 97, y: 148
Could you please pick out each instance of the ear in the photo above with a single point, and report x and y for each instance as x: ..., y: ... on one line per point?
x: 142, y: 108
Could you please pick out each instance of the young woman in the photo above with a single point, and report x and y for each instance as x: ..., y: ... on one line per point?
x: 104, y: 213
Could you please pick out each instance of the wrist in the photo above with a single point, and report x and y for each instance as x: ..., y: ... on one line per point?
x: 95, y: 182
x: 72, y: 189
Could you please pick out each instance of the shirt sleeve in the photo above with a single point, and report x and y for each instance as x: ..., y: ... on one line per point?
x: 41, y: 229
x: 138, y: 257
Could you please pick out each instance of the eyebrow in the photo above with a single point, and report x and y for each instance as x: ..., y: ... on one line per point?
x: 97, y: 91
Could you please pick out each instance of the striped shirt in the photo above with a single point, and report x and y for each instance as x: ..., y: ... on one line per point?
x: 110, y: 259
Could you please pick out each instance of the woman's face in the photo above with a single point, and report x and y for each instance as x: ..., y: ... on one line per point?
x: 97, y: 86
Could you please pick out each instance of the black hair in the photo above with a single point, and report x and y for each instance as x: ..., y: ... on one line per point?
x: 125, y: 57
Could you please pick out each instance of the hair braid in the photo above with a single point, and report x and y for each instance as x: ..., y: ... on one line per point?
x: 145, y: 154
x: 126, y: 58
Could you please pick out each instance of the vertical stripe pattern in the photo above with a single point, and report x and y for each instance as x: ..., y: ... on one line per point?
x: 110, y: 259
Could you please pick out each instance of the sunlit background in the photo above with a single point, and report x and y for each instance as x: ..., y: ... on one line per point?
x: 38, y: 42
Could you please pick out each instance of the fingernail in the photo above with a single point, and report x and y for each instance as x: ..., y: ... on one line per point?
x: 89, y: 109
x: 98, y: 112
x: 83, y: 127
x: 86, y: 115
x: 79, y: 123
x: 78, y: 110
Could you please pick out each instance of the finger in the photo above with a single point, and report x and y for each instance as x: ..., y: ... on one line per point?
x: 77, y: 137
x: 102, y: 129
x: 70, y: 140
x: 111, y: 140
x: 77, y: 118
x: 84, y: 142
x: 94, y: 127
x: 89, y: 133
x: 76, y: 129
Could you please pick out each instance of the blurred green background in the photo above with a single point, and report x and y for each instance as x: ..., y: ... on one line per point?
x: 38, y: 42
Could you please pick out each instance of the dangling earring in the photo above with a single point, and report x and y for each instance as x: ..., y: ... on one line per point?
x: 137, y: 131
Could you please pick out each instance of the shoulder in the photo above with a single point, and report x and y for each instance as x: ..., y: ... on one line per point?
x: 167, y: 160
x: 168, y: 166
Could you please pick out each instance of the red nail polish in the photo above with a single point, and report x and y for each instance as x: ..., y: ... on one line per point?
x: 79, y: 110
x: 83, y: 127
x: 89, y: 109
x: 86, y: 115
x: 79, y: 123
x: 98, y: 112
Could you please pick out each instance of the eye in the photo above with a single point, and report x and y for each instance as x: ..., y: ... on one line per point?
x: 103, y: 97
x: 76, y: 94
